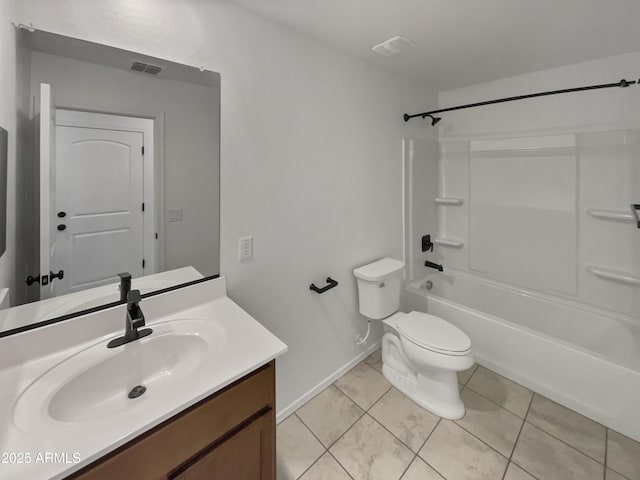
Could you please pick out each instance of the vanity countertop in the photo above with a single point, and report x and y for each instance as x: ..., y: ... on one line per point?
x: 61, y: 448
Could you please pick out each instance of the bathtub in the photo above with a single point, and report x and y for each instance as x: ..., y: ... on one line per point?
x: 582, y: 357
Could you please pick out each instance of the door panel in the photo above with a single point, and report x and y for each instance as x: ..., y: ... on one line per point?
x: 100, y: 189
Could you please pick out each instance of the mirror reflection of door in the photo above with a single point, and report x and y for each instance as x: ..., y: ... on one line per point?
x: 100, y: 200
x: 46, y: 126
x: 82, y: 180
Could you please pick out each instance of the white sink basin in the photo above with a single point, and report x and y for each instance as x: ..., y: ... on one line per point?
x: 93, y: 385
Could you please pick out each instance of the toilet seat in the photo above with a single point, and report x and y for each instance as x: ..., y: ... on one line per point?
x: 434, y: 334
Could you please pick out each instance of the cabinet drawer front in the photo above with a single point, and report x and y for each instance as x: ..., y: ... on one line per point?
x: 247, y: 455
x: 172, y: 444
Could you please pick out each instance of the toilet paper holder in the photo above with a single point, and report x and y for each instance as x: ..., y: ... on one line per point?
x: 330, y: 284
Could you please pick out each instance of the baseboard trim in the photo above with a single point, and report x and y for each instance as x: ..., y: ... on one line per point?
x: 292, y: 407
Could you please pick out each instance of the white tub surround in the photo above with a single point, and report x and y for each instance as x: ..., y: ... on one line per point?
x: 230, y: 344
x: 540, y: 256
x: 583, y: 357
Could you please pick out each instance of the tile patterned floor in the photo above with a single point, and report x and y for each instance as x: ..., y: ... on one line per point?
x: 362, y: 428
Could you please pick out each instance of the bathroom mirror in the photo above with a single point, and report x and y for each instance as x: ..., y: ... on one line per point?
x: 116, y: 170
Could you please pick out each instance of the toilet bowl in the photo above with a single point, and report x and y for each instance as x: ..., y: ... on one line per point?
x: 421, y: 353
x: 421, y: 367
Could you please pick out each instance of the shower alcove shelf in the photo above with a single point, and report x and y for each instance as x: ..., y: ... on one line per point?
x: 449, y: 201
x: 449, y: 242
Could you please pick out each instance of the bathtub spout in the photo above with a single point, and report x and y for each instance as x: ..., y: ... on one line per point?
x: 429, y: 264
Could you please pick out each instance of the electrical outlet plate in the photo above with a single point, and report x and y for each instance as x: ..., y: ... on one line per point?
x: 245, y: 248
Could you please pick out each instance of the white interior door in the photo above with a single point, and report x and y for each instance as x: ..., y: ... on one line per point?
x: 47, y: 151
x: 100, y: 204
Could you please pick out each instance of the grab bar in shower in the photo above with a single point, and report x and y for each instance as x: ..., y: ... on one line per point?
x: 615, y: 275
x: 615, y: 215
x: 634, y: 209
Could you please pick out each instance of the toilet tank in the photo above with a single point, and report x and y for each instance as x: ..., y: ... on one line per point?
x: 379, y: 288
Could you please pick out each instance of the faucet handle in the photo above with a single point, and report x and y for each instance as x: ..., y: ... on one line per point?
x: 427, y: 244
x: 124, y: 276
x: 134, y: 297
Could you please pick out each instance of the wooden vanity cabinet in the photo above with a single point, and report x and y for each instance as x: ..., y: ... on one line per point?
x: 229, y: 435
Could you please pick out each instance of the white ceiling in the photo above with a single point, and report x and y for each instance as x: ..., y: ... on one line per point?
x: 463, y: 42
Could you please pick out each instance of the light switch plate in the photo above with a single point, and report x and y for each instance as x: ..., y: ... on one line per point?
x: 175, y: 214
x: 245, y: 248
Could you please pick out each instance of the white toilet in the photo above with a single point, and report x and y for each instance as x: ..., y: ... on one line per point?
x: 421, y: 353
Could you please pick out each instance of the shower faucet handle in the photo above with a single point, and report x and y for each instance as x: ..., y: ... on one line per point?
x: 427, y: 244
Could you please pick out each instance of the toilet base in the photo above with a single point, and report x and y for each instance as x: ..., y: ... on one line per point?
x: 434, y: 388
x: 434, y: 394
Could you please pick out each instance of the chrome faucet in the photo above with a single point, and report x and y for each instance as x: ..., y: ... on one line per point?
x: 134, y: 320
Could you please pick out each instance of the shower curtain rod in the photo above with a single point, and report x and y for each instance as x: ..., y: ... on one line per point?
x: 621, y: 84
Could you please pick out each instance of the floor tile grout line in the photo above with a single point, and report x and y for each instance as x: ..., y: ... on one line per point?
x: 606, y: 448
x: 314, y: 436
x: 479, y: 439
x: 565, y: 443
x: 378, y: 400
x: 421, y: 447
x: 326, y: 449
x: 515, y: 444
x: 342, y: 434
x: 496, y: 403
x: 341, y: 466
x: 534, y: 393
x: 539, y: 427
x: 471, y: 376
x: 309, y: 428
x: 570, y: 409
x: 604, y: 462
x: 391, y: 433
x: 362, y: 414
x: 415, y: 455
x: 311, y: 466
x: 606, y: 452
x: 366, y: 413
x: 424, y: 443
x: 347, y: 395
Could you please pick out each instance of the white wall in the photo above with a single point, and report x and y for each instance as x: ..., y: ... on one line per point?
x: 191, y: 143
x: 311, y: 161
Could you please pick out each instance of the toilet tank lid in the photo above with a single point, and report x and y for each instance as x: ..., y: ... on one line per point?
x: 379, y: 270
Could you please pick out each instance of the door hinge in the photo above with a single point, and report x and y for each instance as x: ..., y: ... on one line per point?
x: 143, y: 150
x: 143, y: 206
x: 143, y: 263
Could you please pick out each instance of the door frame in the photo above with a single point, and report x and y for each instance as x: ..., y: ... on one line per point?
x: 153, y: 193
